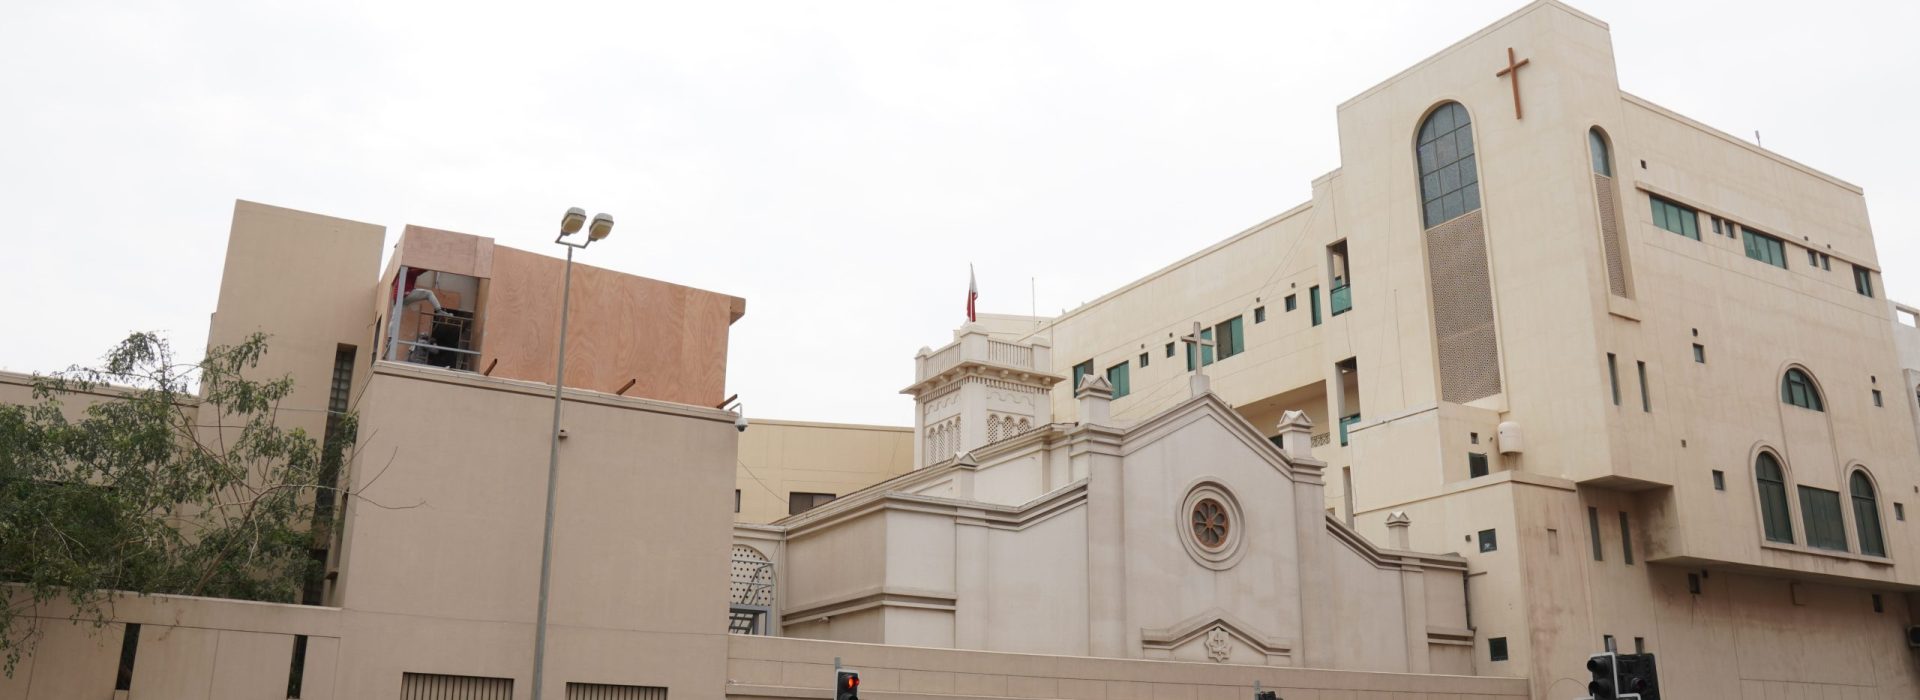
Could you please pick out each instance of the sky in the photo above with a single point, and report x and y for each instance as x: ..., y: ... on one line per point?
x: 837, y: 164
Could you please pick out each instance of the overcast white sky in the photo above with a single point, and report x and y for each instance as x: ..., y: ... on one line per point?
x: 836, y: 164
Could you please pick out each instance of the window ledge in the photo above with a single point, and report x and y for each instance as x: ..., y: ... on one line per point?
x: 1830, y: 553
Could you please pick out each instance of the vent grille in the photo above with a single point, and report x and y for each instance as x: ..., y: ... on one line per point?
x: 1463, y: 309
x: 598, y: 691
x: 433, y: 686
x: 1610, y: 236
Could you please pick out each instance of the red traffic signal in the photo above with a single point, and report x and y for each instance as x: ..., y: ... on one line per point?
x: 846, y: 686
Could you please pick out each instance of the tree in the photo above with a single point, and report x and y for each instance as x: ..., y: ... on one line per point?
x: 161, y: 489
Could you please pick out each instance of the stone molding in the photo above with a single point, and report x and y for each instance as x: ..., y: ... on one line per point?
x: 1180, y: 633
x: 868, y: 599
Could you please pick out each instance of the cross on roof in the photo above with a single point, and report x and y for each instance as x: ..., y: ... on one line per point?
x: 1513, y: 69
x: 1197, y: 340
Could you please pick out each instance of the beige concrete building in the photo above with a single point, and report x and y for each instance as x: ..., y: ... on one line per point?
x: 788, y: 467
x: 1633, y: 367
x: 1542, y: 367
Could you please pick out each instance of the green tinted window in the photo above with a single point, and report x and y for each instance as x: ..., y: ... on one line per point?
x: 1449, y: 181
x: 1765, y: 248
x: 1676, y: 218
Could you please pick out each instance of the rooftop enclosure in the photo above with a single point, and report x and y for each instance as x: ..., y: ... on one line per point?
x: 499, y: 309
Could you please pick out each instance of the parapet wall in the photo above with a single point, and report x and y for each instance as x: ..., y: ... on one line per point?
x: 785, y: 668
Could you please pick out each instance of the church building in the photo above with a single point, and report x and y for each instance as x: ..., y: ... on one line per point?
x: 1542, y: 369
x: 1638, y: 373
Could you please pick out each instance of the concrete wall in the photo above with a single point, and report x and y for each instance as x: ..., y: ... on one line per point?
x: 189, y: 649
x: 302, y: 279
x: 764, y: 667
x: 443, y: 545
x: 778, y: 457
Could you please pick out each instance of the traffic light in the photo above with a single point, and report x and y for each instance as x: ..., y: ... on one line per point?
x: 1623, y: 677
x: 1606, y: 677
x: 846, y: 686
x: 1638, y: 676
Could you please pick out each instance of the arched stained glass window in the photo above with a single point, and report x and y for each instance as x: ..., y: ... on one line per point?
x: 1449, y: 178
x: 1797, y: 388
x: 1597, y: 147
x: 1772, y: 483
x: 1866, y: 516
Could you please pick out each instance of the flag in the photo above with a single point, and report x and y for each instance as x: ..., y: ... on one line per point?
x: 973, y: 292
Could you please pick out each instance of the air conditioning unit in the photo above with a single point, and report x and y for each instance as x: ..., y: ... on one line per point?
x: 1508, y: 434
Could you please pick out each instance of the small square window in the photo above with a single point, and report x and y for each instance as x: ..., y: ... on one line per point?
x: 1259, y: 314
x: 1826, y: 261
x: 1878, y: 605
x: 1169, y: 349
x: 1473, y: 438
x: 1699, y: 353
x: 1476, y: 464
x: 1292, y: 303
x: 1693, y: 584
x: 1488, y: 542
x: 1143, y: 360
x: 1876, y: 399
x: 1813, y: 258
x: 736, y: 500
x: 1719, y: 480
x: 1639, y: 645
x: 1497, y: 647
x: 1900, y: 511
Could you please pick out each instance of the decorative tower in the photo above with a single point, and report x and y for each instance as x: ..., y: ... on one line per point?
x: 976, y: 391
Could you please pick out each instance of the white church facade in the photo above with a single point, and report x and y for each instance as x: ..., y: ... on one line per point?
x: 1184, y: 535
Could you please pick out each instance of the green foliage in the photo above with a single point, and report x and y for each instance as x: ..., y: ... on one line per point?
x: 157, y: 488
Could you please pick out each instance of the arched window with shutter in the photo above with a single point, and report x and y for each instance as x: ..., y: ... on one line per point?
x: 1866, y: 515
x: 1772, y: 482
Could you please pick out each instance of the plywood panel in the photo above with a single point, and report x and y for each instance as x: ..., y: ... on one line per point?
x: 669, y: 339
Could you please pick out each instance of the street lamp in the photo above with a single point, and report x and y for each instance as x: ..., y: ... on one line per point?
x: 570, y: 224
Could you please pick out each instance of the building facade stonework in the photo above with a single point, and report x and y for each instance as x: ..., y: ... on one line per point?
x: 1542, y: 368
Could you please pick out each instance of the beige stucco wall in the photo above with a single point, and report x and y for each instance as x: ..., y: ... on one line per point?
x: 779, y: 457
x: 443, y: 550
x: 189, y: 649
x: 764, y: 667
x: 302, y: 279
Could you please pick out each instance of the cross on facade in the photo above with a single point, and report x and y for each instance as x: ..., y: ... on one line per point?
x: 1194, y: 343
x: 1513, y: 69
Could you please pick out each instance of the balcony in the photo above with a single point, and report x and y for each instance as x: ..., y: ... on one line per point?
x: 1341, y: 299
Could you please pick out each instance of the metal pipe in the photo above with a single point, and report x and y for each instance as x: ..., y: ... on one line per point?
x: 553, y: 476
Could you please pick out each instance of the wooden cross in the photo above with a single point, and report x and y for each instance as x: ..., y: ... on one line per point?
x: 1194, y: 343
x: 1513, y: 69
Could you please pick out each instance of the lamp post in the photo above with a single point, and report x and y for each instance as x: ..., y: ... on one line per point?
x: 570, y: 224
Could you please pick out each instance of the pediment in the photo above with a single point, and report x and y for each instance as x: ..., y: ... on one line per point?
x: 1215, y: 635
x: 1209, y: 407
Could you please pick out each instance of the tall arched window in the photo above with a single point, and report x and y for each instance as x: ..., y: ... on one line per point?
x: 1597, y: 147
x: 1449, y: 182
x: 1773, y: 498
x: 1797, y: 388
x: 1866, y: 516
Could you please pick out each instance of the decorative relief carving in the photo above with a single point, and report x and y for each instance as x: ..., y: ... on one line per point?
x: 1219, y: 645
